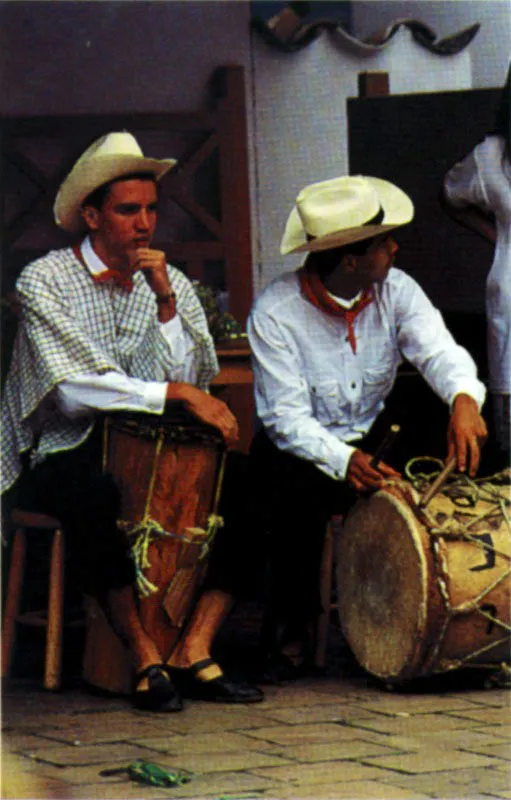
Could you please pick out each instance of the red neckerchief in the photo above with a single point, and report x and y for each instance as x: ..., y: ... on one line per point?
x: 316, y: 294
x: 120, y: 278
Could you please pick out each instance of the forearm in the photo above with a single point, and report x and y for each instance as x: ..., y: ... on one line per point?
x: 87, y: 393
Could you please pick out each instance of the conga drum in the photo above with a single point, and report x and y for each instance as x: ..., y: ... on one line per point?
x: 426, y: 590
x: 169, y: 474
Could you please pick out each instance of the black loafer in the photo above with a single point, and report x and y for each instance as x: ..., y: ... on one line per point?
x: 161, y: 694
x: 217, y: 690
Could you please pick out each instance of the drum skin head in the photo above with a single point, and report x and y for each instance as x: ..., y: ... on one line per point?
x: 382, y: 585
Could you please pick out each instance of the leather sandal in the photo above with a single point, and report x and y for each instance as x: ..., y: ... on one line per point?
x: 161, y: 694
x: 215, y: 690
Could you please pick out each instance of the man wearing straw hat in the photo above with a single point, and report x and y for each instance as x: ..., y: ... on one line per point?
x: 327, y: 341
x: 109, y: 325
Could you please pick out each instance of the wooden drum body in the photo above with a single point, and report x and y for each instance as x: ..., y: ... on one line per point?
x: 422, y: 591
x: 169, y: 473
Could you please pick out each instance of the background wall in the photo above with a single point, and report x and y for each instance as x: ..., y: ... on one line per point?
x: 102, y: 56
x: 88, y: 56
x: 490, y: 50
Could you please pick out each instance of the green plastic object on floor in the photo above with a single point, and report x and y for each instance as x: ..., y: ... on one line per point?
x: 152, y: 774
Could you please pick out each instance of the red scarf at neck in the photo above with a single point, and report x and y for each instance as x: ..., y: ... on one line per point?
x: 122, y: 279
x: 313, y: 289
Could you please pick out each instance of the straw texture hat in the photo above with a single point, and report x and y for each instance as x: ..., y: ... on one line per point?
x: 109, y: 157
x: 348, y: 209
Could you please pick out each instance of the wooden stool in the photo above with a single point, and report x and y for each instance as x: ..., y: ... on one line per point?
x: 50, y: 618
x: 326, y: 583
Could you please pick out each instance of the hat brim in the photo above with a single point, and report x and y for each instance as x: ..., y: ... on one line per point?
x: 86, y: 178
x: 349, y: 236
x: 397, y: 209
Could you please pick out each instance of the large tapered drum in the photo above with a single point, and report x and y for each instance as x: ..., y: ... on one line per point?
x: 426, y: 590
x: 169, y: 473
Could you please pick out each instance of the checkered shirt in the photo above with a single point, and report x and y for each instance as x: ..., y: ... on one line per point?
x: 71, y: 325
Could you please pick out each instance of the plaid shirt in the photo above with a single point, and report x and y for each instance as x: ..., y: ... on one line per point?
x: 71, y: 325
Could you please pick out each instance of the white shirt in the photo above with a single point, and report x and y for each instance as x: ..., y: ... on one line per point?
x: 314, y: 395
x: 112, y: 391
x: 483, y: 179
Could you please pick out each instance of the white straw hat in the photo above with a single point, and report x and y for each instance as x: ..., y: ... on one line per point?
x: 337, y: 212
x: 109, y: 157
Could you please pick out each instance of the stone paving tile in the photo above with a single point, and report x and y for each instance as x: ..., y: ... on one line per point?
x: 495, y: 750
x: 211, y: 786
x: 304, y: 734
x: 454, y: 785
x: 206, y: 743
x: 312, y: 774
x: 21, y: 779
x: 474, y: 740
x: 417, y: 704
x: 430, y: 759
x: 200, y: 718
x: 297, y: 695
x: 414, y: 725
x: 488, y: 716
x: 95, y: 728
x: 89, y: 754
x: 230, y: 761
x: 328, y: 712
x: 25, y: 742
x: 353, y: 790
x: 335, y: 751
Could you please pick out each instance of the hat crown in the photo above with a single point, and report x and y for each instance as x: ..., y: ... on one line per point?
x: 335, y: 205
x: 112, y: 144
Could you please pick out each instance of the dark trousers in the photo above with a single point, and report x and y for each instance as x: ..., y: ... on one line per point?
x: 71, y: 486
x: 297, y: 500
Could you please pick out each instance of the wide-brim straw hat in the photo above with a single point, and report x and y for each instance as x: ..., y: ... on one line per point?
x: 339, y: 211
x: 109, y: 157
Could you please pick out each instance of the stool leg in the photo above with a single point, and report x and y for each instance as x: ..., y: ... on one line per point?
x: 12, y: 601
x: 53, y: 659
x: 325, y: 589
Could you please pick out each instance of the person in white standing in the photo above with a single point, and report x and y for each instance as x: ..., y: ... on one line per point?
x: 477, y: 193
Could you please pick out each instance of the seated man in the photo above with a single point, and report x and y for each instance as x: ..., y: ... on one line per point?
x: 109, y: 325
x: 327, y: 341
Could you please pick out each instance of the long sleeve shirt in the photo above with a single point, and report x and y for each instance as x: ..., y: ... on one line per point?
x: 75, y: 330
x: 483, y: 179
x: 314, y: 395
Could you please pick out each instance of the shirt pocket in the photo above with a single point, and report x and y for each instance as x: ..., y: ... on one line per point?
x: 378, y: 380
x: 326, y: 401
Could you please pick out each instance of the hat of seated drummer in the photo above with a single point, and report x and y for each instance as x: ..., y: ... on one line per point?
x: 343, y: 210
x: 108, y: 158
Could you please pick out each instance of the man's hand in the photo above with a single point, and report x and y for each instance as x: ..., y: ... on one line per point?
x: 465, y: 434
x: 363, y: 477
x: 153, y: 264
x: 208, y: 409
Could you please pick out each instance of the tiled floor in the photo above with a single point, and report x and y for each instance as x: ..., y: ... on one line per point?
x: 339, y: 735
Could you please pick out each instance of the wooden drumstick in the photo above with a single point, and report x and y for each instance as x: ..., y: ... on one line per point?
x: 437, y: 483
x: 385, y: 445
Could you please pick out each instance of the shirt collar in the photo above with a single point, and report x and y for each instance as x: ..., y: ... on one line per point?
x: 346, y: 303
x: 91, y: 259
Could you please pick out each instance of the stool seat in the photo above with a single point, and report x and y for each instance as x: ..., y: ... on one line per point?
x: 34, y: 519
x: 52, y: 617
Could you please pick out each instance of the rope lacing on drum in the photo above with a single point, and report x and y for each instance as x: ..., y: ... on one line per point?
x: 466, y: 493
